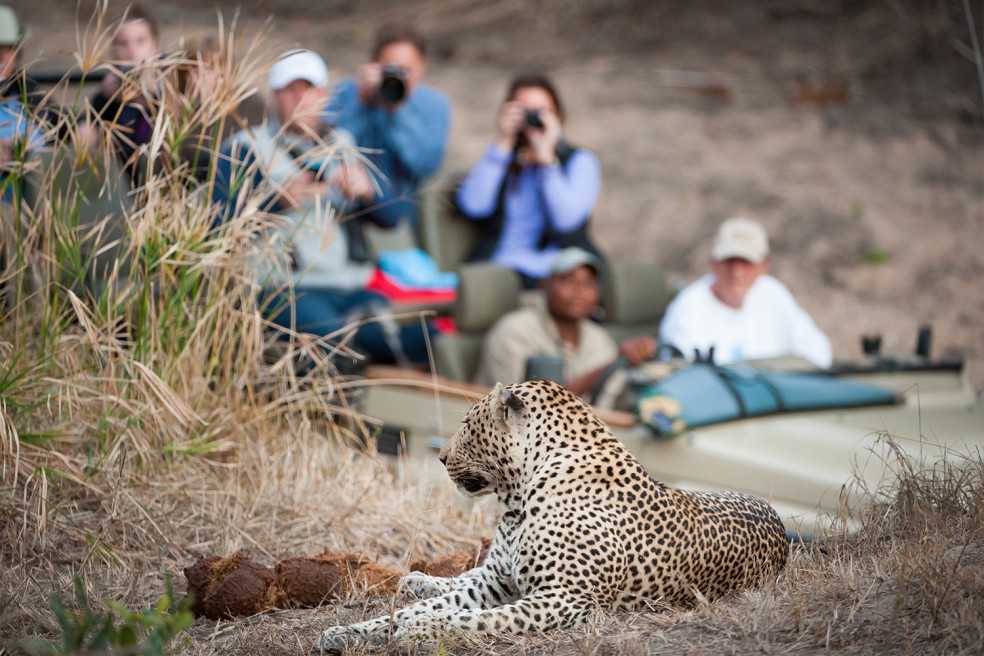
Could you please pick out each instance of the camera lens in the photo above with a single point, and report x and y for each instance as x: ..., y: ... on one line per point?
x: 393, y: 86
x: 533, y: 119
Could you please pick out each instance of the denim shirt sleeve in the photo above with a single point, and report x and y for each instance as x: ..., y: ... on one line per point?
x: 416, y: 134
x: 418, y: 131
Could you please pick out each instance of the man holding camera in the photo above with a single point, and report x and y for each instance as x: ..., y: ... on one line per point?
x: 292, y: 167
x: 401, y: 122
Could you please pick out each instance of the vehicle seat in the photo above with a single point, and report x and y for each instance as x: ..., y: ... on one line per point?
x: 89, y: 198
x: 635, y: 298
x: 445, y: 233
x: 485, y: 293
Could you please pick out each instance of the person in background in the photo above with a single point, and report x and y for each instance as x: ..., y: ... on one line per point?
x: 531, y: 192
x: 136, y: 41
x: 303, y: 173
x: 197, y: 77
x: 572, y: 289
x: 401, y: 122
x: 739, y: 312
x: 20, y: 132
x: 14, y: 83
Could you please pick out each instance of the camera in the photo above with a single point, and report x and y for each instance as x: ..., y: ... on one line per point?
x: 533, y: 119
x: 393, y: 86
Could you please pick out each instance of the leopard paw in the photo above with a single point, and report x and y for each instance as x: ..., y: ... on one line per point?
x: 424, y: 586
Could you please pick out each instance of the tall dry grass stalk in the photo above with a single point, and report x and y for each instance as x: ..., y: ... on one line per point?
x: 145, y: 417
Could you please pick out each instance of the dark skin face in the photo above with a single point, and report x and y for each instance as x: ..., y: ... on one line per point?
x: 572, y: 296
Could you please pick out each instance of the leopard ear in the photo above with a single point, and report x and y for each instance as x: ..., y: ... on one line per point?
x: 506, y: 406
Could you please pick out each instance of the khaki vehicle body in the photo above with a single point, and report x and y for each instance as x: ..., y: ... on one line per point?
x: 809, y: 465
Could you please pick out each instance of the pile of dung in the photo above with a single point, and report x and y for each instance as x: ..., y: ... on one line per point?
x: 232, y: 587
x: 235, y: 586
x: 455, y: 563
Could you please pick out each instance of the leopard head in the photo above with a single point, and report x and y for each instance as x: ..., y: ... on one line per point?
x: 484, y: 456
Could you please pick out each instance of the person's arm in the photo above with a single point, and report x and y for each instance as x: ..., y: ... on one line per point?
x: 418, y: 130
x: 635, y: 350
x: 570, y: 194
x: 798, y: 333
x: 808, y: 341
x: 479, y: 191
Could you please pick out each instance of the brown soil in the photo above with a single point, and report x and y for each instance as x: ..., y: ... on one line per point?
x: 853, y: 130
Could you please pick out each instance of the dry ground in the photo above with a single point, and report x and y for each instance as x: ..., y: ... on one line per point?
x: 873, y: 190
x: 911, y: 581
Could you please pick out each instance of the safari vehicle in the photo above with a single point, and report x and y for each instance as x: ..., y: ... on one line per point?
x: 815, y: 445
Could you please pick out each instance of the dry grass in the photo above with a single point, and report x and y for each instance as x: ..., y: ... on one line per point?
x: 141, y: 427
x: 144, y: 418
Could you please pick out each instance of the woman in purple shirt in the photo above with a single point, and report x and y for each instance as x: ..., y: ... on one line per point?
x: 531, y: 192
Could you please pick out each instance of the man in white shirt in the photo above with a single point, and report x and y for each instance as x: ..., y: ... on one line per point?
x: 739, y: 312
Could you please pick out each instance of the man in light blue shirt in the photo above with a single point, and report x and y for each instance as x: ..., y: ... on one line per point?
x: 402, y: 124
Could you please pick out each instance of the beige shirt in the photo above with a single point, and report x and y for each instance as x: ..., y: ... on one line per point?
x: 531, y: 331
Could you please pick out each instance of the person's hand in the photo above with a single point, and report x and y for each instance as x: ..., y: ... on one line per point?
x: 352, y: 181
x: 302, y: 189
x: 638, y: 349
x: 369, y: 77
x: 543, y: 141
x: 510, y: 122
x: 110, y: 84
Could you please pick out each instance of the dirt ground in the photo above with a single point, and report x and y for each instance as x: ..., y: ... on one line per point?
x: 853, y: 130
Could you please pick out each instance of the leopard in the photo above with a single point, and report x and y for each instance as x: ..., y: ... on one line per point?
x: 584, y: 529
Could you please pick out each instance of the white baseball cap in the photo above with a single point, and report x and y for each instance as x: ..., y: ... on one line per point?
x: 298, y: 65
x: 11, y: 32
x: 743, y: 238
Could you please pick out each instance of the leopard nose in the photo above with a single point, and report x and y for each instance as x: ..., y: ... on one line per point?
x: 443, y: 458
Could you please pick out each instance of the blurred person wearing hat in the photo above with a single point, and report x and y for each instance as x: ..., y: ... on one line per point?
x: 739, y: 312
x: 560, y: 327
x: 306, y: 173
x: 402, y: 123
x: 20, y: 129
x: 12, y: 35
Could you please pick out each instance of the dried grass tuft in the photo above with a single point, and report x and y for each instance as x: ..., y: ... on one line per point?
x: 148, y: 413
